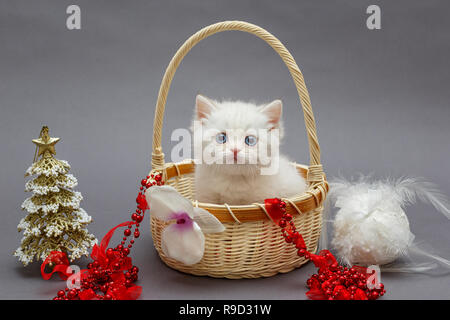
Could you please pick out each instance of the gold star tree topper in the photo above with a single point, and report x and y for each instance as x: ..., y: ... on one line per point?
x: 44, y: 144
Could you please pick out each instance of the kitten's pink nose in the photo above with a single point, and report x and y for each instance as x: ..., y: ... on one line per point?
x: 235, y: 153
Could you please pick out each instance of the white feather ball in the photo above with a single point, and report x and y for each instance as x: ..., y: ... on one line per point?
x: 371, y: 227
x: 369, y: 230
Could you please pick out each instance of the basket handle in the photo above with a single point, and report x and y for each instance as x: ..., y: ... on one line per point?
x: 315, y: 172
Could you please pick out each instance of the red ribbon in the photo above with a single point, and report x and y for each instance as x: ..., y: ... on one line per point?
x: 273, y: 209
x: 118, y: 290
x: 99, y: 252
x: 112, y: 271
x: 59, y: 259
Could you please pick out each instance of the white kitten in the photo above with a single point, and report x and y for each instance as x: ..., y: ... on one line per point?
x: 235, y: 133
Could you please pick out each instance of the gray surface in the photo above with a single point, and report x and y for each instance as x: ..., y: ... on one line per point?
x: 380, y: 100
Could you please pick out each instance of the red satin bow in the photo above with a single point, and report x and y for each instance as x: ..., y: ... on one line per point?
x: 61, y: 265
x: 106, y: 260
x: 99, y: 252
x: 112, y: 271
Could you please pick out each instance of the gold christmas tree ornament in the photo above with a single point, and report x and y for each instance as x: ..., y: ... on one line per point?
x: 55, y: 220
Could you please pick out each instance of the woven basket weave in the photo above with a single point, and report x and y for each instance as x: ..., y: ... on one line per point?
x: 252, y: 245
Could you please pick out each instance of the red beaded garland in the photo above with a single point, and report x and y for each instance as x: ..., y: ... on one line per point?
x: 99, y: 284
x: 332, y: 281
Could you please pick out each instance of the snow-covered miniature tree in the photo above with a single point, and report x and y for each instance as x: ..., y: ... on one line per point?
x: 55, y: 221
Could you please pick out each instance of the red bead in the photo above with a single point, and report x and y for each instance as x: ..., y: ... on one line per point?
x: 61, y: 293
x: 139, y: 219
x: 137, y: 234
x: 143, y: 182
x: 134, y: 216
x: 288, y: 217
x: 110, y: 253
x: 282, y: 223
x: 158, y: 177
x: 126, y: 251
x: 127, y: 232
x: 374, y: 295
x: 72, y: 294
x: 299, y: 245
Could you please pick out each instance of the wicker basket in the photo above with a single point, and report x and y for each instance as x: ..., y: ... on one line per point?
x: 252, y: 245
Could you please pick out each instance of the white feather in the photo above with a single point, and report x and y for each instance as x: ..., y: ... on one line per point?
x: 410, y: 188
x: 371, y: 227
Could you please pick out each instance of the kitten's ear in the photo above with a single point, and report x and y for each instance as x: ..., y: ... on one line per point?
x: 203, y: 107
x: 273, y: 111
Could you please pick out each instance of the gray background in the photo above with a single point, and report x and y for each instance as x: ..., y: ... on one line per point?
x: 380, y: 100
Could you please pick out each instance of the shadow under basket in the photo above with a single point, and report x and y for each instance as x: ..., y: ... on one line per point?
x: 252, y: 245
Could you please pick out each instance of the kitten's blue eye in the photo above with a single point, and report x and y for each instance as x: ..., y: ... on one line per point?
x: 250, y: 140
x: 221, y: 137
